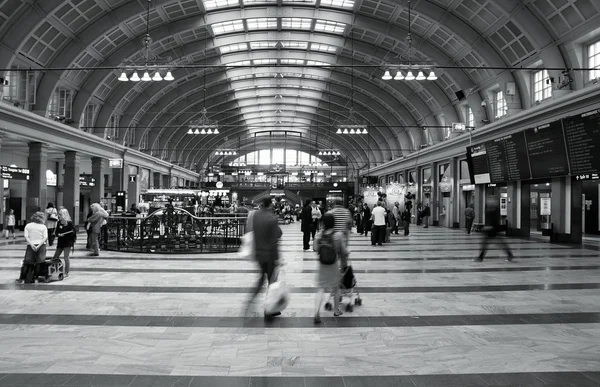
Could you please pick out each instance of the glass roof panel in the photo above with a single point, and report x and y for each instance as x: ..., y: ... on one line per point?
x: 316, y: 63
x: 212, y: 4
x: 296, y: 23
x: 228, y: 26
x: 300, y: 1
x: 233, y: 47
x: 259, y: 1
x: 262, y: 23
x: 240, y: 77
x: 338, y: 3
x: 323, y: 47
x: 240, y: 63
x: 298, y: 45
x: 264, y: 61
x: 330, y: 26
x: 262, y: 45
x: 292, y: 61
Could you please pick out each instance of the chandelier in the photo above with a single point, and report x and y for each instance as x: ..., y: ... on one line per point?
x: 147, y: 62
x: 329, y: 152
x: 226, y: 152
x: 203, y: 125
x: 351, y: 125
x: 407, y: 67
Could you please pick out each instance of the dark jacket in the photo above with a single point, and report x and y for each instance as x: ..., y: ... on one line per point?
x: 67, y: 240
x: 366, y: 220
x: 306, y: 217
x: 426, y: 211
x: 266, y: 236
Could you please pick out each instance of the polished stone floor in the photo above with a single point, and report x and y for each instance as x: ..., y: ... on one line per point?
x: 430, y: 317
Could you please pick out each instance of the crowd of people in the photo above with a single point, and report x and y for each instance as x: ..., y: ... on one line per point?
x: 46, y: 227
x: 330, y: 232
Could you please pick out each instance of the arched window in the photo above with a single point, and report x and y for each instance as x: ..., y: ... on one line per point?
x: 289, y: 157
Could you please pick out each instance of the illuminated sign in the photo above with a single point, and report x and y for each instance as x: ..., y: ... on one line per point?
x: 459, y: 127
x: 115, y: 163
x: 14, y: 173
x: 87, y: 181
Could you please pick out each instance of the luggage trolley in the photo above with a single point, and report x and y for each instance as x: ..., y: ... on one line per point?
x: 348, y: 289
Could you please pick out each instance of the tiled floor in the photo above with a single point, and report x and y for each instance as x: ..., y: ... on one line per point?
x: 430, y: 317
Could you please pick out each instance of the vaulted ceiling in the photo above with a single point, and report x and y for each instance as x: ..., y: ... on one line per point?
x: 320, y: 58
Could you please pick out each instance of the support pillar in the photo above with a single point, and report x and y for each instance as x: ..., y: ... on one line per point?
x: 564, y: 211
x: 117, y: 180
x: 518, y: 222
x: 71, y: 185
x: 479, y: 203
x: 434, y: 203
x: 454, y: 210
x: 2, y: 214
x: 60, y: 183
x: 133, y: 185
x: 36, y: 186
x: 98, y: 176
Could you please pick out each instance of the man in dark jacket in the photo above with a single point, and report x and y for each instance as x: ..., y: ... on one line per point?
x: 307, y: 224
x: 266, y: 240
x: 492, y: 216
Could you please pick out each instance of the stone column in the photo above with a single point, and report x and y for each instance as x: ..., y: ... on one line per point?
x: 98, y: 176
x: 518, y: 209
x: 133, y: 186
x: 60, y: 182
x: 566, y: 211
x: 434, y: 203
x: 36, y: 186
x: 71, y: 185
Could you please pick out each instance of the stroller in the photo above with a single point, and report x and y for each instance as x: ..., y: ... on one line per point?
x: 348, y: 289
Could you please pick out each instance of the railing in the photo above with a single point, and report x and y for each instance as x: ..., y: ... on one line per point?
x: 174, y: 231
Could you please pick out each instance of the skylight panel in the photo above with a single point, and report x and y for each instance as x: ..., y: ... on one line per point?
x: 262, y: 23
x: 227, y: 26
x: 259, y: 1
x: 330, y: 26
x: 300, y: 1
x: 323, y: 47
x: 297, y: 62
x: 233, y: 47
x: 264, y: 61
x: 240, y: 63
x: 241, y: 77
x: 296, y: 23
x: 338, y: 3
x: 212, y: 4
x: 316, y: 63
x: 262, y: 45
x: 295, y: 45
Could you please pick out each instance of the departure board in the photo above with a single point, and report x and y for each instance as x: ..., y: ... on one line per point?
x: 547, y: 151
x: 582, y: 134
x: 507, y: 158
x: 480, y: 169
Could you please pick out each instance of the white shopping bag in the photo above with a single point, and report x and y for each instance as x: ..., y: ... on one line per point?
x: 278, y: 294
x: 246, y: 250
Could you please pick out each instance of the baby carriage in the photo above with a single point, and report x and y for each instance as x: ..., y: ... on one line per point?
x: 348, y: 289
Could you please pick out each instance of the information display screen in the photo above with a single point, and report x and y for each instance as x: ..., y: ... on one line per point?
x: 479, y: 164
x: 507, y: 158
x: 582, y: 134
x: 547, y: 151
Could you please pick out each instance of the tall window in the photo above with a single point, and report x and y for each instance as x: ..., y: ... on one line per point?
x: 500, y: 104
x: 470, y: 117
x: 87, y: 118
x: 542, y: 88
x: 61, y: 103
x: 263, y: 157
x: 112, y: 129
x: 144, y: 141
x: 594, y: 60
x: 130, y: 138
x: 164, y: 154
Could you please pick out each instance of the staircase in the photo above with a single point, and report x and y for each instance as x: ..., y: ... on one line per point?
x: 257, y: 198
x: 292, y: 197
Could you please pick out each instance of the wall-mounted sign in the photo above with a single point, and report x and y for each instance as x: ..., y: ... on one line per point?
x: 86, y: 181
x: 468, y: 187
x: 115, y: 163
x: 458, y: 127
x: 426, y: 189
x: 545, y: 206
x: 503, y: 206
x: 14, y: 173
x: 219, y: 184
x: 51, y: 178
x: 132, y: 178
x: 588, y: 176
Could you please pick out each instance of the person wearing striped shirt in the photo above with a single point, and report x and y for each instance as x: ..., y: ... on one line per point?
x: 342, y: 218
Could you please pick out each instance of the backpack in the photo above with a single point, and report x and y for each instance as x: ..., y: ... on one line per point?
x: 327, y: 253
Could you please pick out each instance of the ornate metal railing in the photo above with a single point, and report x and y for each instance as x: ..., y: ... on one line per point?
x: 174, y: 231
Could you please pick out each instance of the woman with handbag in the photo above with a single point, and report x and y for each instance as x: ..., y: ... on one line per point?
x: 36, y: 236
x: 51, y: 220
x: 67, y: 235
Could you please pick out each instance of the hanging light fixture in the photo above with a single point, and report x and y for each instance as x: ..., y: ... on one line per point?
x: 408, y: 64
x: 351, y: 125
x: 147, y: 61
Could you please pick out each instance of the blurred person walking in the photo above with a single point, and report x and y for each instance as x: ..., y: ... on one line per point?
x: 266, y: 242
x: 10, y: 224
x: 469, y: 217
x: 307, y: 225
x: 426, y: 213
x: 492, y: 215
x: 330, y: 246
x: 342, y: 219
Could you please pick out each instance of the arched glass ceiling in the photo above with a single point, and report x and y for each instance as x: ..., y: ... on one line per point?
x: 281, y: 156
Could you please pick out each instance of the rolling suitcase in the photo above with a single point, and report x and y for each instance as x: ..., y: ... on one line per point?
x: 52, y: 271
